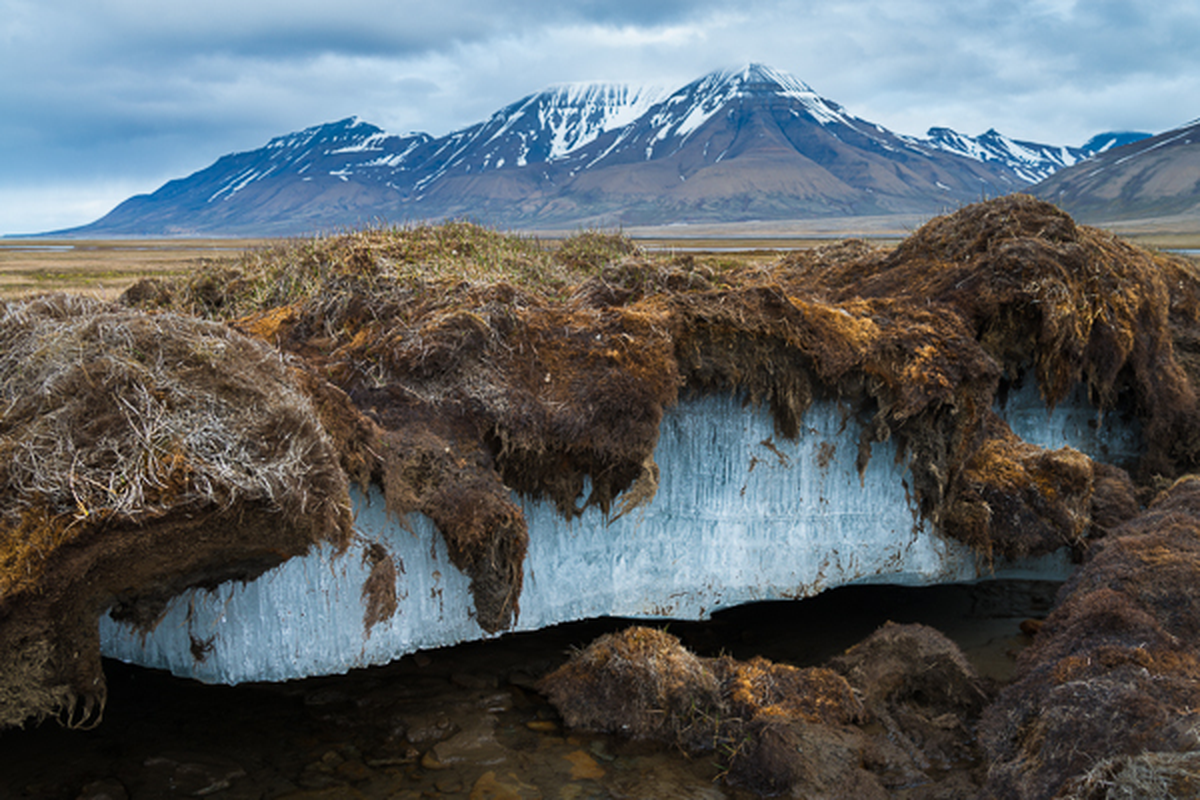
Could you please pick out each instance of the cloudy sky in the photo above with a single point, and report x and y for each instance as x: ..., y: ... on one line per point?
x: 102, y: 99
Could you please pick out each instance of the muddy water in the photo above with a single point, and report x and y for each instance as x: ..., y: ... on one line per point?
x: 460, y: 722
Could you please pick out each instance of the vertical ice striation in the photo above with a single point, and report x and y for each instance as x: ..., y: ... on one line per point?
x: 740, y: 515
x: 1111, y: 438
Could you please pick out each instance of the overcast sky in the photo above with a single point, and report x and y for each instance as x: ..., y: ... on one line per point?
x: 102, y: 99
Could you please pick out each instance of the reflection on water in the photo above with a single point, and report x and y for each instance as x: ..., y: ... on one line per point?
x: 459, y: 722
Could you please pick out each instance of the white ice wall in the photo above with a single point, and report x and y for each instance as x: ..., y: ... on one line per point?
x: 1110, y: 437
x: 740, y: 515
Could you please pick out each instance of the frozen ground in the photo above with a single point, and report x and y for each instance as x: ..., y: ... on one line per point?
x: 740, y: 515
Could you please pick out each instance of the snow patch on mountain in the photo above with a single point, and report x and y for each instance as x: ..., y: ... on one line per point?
x: 1031, y: 161
x: 685, y: 111
x: 577, y: 114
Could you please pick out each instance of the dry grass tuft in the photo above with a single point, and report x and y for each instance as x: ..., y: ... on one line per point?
x: 121, y: 431
x: 642, y: 683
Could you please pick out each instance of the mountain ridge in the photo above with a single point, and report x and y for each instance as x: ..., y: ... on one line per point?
x: 1154, y: 177
x: 737, y: 144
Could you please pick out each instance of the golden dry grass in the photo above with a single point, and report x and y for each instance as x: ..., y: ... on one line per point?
x: 104, y: 268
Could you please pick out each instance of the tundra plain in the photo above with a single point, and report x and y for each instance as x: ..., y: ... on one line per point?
x: 103, y: 268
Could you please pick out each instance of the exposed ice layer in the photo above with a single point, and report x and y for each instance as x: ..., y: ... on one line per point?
x: 1114, y: 438
x: 740, y: 515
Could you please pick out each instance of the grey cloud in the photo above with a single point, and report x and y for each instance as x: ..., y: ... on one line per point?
x: 121, y: 88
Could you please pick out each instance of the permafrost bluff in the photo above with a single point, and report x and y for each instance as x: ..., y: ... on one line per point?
x: 347, y: 449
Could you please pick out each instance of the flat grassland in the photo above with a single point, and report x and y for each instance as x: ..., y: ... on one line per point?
x: 106, y: 267
x: 103, y: 268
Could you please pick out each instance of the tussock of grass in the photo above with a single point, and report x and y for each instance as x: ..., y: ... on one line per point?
x: 141, y: 454
x: 587, y: 252
x: 398, y: 262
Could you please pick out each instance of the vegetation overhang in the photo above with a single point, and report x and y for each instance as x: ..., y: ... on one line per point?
x: 205, y: 429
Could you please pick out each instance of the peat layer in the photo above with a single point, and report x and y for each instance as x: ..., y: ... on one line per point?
x: 139, y: 455
x: 204, y: 430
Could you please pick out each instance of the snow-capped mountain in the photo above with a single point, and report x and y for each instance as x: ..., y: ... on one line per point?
x: 539, y: 128
x: 336, y: 149
x: 1031, y: 161
x: 685, y: 111
x: 749, y: 143
x: 1153, y: 177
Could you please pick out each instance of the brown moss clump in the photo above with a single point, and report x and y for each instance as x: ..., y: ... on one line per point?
x: 642, y: 683
x: 920, y: 687
x: 1041, y: 500
x: 139, y: 455
x: 1069, y: 303
x: 1114, y: 673
x: 776, y: 728
x: 761, y: 687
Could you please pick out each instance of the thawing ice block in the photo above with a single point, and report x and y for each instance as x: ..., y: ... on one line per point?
x: 1113, y: 438
x: 741, y: 515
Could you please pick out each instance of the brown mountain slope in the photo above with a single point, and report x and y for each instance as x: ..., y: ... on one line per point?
x: 1155, y: 177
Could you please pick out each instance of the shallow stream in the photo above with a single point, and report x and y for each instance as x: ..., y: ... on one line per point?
x: 460, y: 722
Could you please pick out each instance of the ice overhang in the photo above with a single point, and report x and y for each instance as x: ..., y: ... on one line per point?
x: 741, y: 515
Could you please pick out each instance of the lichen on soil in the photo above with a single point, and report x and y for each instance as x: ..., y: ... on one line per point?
x: 205, y: 429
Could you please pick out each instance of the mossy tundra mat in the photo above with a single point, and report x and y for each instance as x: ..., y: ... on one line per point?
x: 206, y: 428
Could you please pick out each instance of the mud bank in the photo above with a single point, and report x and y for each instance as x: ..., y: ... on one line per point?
x: 566, y: 433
